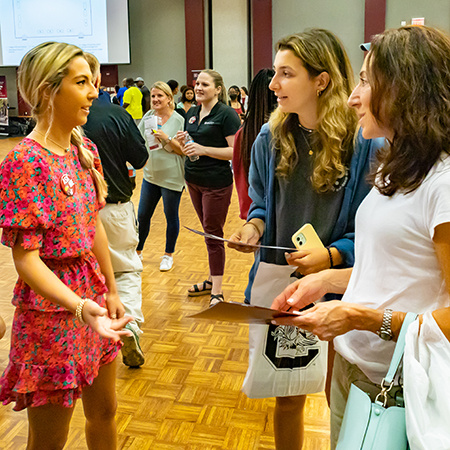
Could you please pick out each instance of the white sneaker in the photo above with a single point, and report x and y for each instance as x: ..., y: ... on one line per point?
x: 166, y: 263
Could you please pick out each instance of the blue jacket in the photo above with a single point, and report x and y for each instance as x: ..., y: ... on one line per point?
x: 262, y: 193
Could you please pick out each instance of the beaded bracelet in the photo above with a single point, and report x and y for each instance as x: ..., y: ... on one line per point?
x: 79, y: 310
x: 330, y: 256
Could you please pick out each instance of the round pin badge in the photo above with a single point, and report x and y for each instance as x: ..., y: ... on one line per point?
x: 67, y: 185
x: 192, y: 119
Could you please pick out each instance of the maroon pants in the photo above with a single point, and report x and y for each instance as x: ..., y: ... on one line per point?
x: 211, y: 205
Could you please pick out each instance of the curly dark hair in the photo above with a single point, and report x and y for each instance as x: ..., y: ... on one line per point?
x: 409, y: 75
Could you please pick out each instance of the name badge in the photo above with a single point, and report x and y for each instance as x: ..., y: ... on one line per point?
x: 67, y: 185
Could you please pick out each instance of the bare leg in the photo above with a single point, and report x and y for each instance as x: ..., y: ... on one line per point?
x: 2, y: 327
x: 216, y: 284
x: 100, y: 404
x: 48, y: 427
x: 288, y: 422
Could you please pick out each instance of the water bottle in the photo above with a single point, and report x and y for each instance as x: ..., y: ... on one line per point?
x: 187, y: 140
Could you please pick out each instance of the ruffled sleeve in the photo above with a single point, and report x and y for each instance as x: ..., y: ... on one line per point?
x: 26, y: 198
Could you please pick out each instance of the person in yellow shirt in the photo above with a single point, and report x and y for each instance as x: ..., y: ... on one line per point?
x: 132, y: 100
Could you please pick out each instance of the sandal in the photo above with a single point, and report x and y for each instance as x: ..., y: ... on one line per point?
x: 215, y: 298
x: 203, y: 291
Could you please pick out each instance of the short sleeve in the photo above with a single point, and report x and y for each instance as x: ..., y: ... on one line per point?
x: 231, y: 122
x: 438, y: 201
x: 26, y: 198
x: 127, y: 96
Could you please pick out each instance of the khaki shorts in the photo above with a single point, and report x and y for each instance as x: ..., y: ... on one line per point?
x: 344, y: 374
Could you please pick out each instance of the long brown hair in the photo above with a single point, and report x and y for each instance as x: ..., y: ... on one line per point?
x: 409, y: 75
x: 320, y: 51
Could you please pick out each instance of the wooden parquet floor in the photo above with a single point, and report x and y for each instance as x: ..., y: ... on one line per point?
x: 187, y: 395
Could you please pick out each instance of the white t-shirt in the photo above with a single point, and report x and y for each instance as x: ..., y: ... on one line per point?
x: 396, y: 266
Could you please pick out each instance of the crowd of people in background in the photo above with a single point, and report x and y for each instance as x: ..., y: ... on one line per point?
x: 367, y: 166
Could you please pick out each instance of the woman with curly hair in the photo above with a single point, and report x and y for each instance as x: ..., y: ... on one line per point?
x: 307, y: 166
x: 402, y: 251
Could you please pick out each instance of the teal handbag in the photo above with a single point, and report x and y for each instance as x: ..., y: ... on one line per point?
x: 375, y: 425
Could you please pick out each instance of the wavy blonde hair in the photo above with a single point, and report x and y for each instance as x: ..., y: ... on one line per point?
x: 166, y: 89
x: 319, y: 51
x: 40, y: 75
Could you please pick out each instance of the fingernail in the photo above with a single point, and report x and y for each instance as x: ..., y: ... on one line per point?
x: 290, y: 300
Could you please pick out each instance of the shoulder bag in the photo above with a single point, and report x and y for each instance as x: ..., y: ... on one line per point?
x: 375, y: 425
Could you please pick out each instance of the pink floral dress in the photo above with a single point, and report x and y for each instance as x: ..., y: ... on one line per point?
x: 52, y: 356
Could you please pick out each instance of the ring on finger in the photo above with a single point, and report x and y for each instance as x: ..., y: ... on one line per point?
x: 113, y: 316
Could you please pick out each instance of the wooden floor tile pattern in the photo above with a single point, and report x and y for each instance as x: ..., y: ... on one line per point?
x: 187, y: 395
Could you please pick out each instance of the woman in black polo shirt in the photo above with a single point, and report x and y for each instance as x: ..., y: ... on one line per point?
x: 212, y: 125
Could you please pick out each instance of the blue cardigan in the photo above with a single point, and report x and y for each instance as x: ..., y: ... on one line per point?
x: 262, y: 193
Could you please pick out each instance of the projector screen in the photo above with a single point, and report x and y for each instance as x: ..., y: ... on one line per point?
x: 99, y: 27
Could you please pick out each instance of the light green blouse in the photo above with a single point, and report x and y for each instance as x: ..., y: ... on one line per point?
x: 164, y: 167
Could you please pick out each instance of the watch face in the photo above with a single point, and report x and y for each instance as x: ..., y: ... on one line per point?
x: 385, y: 335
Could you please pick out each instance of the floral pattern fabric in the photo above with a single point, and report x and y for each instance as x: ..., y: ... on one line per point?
x: 52, y: 358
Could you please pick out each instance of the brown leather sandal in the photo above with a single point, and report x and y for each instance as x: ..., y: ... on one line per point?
x: 203, y: 290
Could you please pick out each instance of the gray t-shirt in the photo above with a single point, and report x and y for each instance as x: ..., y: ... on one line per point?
x: 297, y: 202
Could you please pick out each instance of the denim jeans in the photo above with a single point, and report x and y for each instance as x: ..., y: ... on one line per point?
x: 150, y: 196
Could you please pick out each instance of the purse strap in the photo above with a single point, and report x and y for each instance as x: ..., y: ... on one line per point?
x: 399, y: 347
x: 388, y: 380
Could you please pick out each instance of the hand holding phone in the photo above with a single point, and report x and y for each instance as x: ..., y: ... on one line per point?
x: 306, y: 238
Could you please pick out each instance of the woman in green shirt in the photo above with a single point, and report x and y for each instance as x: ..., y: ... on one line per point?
x: 164, y: 171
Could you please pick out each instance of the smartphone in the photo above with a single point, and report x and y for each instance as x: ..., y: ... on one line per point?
x: 306, y: 238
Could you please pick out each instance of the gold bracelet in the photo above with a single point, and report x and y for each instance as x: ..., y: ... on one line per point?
x: 251, y: 223
x: 79, y: 310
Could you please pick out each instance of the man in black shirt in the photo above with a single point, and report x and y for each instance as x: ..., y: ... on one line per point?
x: 145, y: 94
x: 119, y: 142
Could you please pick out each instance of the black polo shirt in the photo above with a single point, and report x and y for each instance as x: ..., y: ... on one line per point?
x: 118, y: 141
x: 212, y: 131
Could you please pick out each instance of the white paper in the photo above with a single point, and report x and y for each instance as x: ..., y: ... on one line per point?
x: 211, y: 236
x: 151, y: 123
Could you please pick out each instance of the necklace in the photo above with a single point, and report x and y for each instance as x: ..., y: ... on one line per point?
x: 310, y: 150
x: 46, y: 138
x: 308, y: 130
